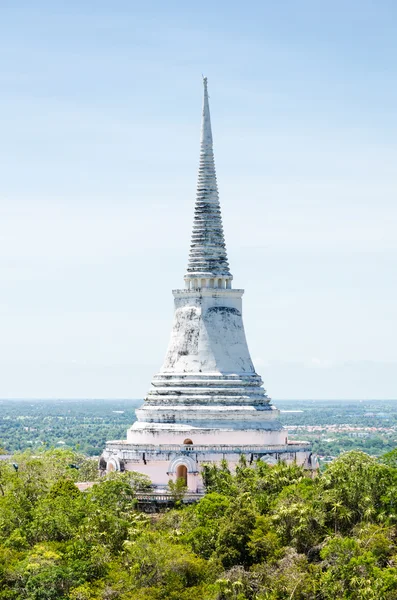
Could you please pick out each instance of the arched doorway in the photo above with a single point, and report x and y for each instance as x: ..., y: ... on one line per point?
x: 185, y: 468
x: 181, y: 473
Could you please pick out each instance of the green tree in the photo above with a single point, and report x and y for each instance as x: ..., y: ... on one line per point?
x: 235, y: 531
x: 178, y: 489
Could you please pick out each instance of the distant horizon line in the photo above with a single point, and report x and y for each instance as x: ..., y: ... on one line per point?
x: 119, y: 399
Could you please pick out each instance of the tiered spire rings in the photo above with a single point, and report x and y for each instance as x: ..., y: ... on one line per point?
x: 208, y: 264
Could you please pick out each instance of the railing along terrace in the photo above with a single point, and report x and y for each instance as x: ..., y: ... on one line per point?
x: 221, y: 449
x: 166, y: 497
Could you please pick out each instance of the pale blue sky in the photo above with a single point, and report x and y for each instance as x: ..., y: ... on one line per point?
x: 100, y: 108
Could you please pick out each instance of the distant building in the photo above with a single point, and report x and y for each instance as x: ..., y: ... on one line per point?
x: 207, y: 402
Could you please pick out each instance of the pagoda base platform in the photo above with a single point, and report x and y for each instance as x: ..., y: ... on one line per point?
x: 165, y: 462
x: 177, y: 433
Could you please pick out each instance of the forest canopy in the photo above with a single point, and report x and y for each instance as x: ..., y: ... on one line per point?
x: 261, y: 533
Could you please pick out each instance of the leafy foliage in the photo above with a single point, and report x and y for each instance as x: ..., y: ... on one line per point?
x: 260, y: 533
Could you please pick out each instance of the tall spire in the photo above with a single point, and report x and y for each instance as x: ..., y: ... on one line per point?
x: 208, y: 257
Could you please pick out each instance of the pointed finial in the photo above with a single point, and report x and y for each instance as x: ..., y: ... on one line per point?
x: 206, y: 132
x: 205, y: 83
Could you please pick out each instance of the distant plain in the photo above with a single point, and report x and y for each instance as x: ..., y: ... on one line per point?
x: 333, y: 426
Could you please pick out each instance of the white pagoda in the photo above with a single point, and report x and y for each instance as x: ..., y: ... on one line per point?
x: 207, y: 403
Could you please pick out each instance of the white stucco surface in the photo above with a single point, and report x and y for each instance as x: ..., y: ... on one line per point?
x: 148, y: 433
x: 207, y: 393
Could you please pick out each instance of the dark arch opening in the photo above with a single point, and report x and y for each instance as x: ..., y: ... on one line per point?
x: 188, y: 442
x: 181, y: 473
